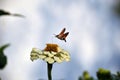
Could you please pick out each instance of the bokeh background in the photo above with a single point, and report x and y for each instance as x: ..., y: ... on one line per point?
x: 93, y: 42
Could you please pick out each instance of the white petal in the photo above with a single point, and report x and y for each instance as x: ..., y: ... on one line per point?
x: 61, y: 58
x: 54, y: 53
x: 46, y: 52
x: 62, y: 55
x: 42, y: 56
x: 49, y: 60
x: 33, y: 53
x: 36, y: 50
x: 57, y: 59
x: 67, y: 59
x: 50, y: 55
x: 65, y: 52
x: 33, y: 57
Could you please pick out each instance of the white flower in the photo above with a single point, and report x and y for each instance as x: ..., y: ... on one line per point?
x: 51, y: 54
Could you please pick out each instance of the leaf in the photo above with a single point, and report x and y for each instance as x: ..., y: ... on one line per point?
x: 3, y: 13
x: 3, y: 58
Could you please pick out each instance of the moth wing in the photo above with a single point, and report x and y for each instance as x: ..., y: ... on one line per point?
x: 62, y: 32
x: 65, y: 35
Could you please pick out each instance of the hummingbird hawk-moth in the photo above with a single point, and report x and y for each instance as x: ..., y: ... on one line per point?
x: 62, y: 35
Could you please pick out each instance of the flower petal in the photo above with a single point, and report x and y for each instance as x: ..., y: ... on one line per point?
x: 49, y: 60
x: 36, y: 50
x: 62, y: 55
x: 67, y: 59
x: 50, y: 55
x: 57, y: 59
x: 33, y: 56
x: 54, y: 53
x: 42, y: 56
x: 46, y: 52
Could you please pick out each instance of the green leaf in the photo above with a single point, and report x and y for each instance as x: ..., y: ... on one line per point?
x: 3, y: 13
x: 3, y: 58
x: 104, y: 74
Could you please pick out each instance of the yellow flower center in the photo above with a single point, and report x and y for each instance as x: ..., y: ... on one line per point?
x: 51, y: 47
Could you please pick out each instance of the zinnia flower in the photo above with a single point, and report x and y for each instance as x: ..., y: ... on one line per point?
x: 51, y: 54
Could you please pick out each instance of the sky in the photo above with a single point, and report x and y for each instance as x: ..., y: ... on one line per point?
x: 93, y: 40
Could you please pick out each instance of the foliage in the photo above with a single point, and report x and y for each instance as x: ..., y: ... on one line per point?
x: 3, y: 58
x: 102, y: 74
x: 6, y: 13
x: 117, y: 8
x: 86, y: 76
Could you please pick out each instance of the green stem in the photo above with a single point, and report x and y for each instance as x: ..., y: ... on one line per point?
x: 49, y: 66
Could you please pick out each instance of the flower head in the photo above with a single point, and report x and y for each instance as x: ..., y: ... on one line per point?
x: 51, y: 54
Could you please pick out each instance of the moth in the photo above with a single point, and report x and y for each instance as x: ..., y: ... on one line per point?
x: 62, y: 35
